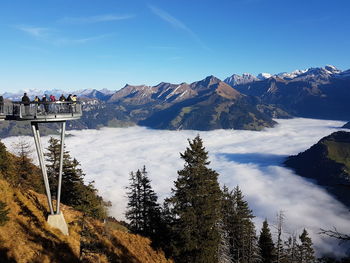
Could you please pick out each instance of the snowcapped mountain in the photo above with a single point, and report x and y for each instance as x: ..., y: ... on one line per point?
x: 86, y: 93
x: 313, y: 74
x: 238, y: 79
x: 262, y: 76
x: 291, y: 75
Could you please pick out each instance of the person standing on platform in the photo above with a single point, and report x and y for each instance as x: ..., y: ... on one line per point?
x: 26, y: 103
x: 1, y: 104
x: 46, y: 105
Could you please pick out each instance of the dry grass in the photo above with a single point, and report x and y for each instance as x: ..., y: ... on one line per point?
x: 28, y: 238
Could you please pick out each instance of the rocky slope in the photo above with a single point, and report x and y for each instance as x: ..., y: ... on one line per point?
x: 27, y: 237
x: 327, y: 162
x: 202, y: 105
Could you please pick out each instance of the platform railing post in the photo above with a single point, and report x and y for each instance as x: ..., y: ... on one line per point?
x: 63, y: 129
x: 39, y: 149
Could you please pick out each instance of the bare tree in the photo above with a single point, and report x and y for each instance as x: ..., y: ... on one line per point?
x: 279, y: 244
x: 335, y: 234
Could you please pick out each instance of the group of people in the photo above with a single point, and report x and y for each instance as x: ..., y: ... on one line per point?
x: 46, y: 107
x: 51, y: 98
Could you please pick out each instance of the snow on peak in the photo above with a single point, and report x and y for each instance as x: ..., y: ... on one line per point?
x: 263, y: 76
x: 332, y: 69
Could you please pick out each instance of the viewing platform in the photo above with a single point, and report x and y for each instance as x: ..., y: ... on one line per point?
x: 41, y: 111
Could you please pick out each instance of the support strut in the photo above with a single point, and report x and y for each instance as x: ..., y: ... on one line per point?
x: 39, y: 150
x: 63, y: 129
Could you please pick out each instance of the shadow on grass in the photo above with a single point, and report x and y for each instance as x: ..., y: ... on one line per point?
x: 55, y: 249
x: 4, y: 258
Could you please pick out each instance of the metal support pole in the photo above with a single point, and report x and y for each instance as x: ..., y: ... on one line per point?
x: 63, y: 129
x: 39, y: 149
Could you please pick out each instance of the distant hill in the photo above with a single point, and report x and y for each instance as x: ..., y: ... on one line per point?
x: 28, y: 238
x: 327, y: 162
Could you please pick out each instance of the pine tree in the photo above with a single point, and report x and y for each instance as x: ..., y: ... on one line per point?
x: 53, y: 161
x: 74, y: 192
x: 237, y: 218
x: 279, y: 243
x: 224, y: 255
x: 28, y: 176
x: 3, y: 213
x: 143, y: 210
x: 5, y: 166
x: 267, y: 248
x: 290, y: 250
x: 305, y: 252
x: 196, y: 206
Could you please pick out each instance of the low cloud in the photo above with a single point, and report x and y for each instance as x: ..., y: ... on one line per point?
x: 249, y: 159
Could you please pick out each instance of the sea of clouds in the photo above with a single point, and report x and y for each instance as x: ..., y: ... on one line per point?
x: 250, y: 159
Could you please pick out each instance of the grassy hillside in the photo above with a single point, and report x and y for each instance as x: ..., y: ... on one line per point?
x: 28, y: 238
x: 327, y: 162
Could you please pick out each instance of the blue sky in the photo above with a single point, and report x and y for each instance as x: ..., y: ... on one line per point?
x: 78, y: 44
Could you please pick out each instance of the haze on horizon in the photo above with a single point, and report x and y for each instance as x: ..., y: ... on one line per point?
x: 74, y: 45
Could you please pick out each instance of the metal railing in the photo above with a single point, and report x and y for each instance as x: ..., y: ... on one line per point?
x: 35, y: 110
x: 6, y: 109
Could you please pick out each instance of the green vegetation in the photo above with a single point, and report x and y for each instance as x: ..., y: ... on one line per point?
x: 196, y: 207
x: 201, y: 223
x: 3, y: 213
x: 267, y: 248
x: 75, y: 192
x: 143, y: 210
x: 339, y: 152
x: 328, y: 162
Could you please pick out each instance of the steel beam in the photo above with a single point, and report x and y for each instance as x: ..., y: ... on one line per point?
x: 63, y: 129
x: 39, y: 149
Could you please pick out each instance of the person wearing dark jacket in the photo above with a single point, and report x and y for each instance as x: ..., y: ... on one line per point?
x: 26, y: 103
x: 1, y: 104
x: 62, y: 98
x: 46, y: 105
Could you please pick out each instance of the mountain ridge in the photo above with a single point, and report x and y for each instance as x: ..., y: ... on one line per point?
x: 327, y: 162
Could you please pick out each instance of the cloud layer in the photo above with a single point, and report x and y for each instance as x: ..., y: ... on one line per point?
x: 249, y: 159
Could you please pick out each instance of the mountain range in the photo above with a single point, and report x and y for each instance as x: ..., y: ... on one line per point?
x: 313, y: 93
x: 239, y: 102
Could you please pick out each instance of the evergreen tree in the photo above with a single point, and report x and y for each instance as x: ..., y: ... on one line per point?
x: 237, y: 218
x: 28, y: 175
x: 290, y: 250
x: 53, y: 162
x: 196, y: 205
x: 3, y: 213
x: 143, y: 210
x: 74, y: 192
x: 7, y: 170
x: 279, y: 243
x: 305, y: 253
x: 267, y: 248
x: 166, y: 233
